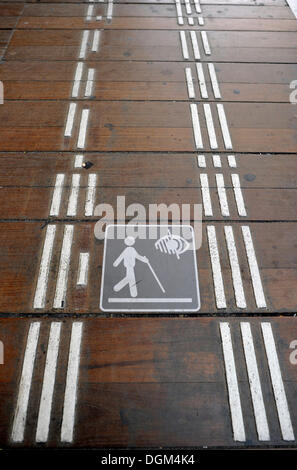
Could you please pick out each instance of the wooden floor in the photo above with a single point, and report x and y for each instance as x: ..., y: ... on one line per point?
x: 163, y: 102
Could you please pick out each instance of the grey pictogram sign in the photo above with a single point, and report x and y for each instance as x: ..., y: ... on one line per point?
x: 145, y: 273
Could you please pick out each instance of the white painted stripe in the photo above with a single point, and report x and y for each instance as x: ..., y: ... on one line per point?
x: 70, y: 398
x: 90, y: 81
x: 277, y: 383
x: 83, y: 268
x: 190, y: 85
x: 254, y: 269
x: 98, y: 18
x: 195, y: 45
x: 232, y: 161
x: 196, y: 126
x: 232, y: 384
x: 70, y: 120
x: 293, y: 6
x: 254, y: 381
x: 49, y: 378
x: 216, y: 159
x: 61, y: 286
x: 224, y: 127
x: 205, y: 43
x: 201, y: 79
x: 191, y: 21
x: 83, y: 128
x: 179, y: 12
x: 127, y: 300
x: 77, y: 79
x: 20, y: 416
x: 40, y: 293
x: 214, y: 81
x: 235, y: 268
x: 238, y: 195
x: 91, y: 192
x: 184, y: 45
x: 216, y: 267
x: 206, y: 195
x: 201, y: 161
x: 96, y: 39
x: 84, y: 43
x: 222, y: 195
x: 57, y: 195
x: 210, y: 126
x: 200, y: 20
x: 188, y: 7
x: 109, y: 10
x: 72, y: 202
x: 197, y: 6
x: 90, y: 12
x: 78, y: 161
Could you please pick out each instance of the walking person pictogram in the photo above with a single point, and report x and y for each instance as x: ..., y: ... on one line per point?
x: 129, y: 256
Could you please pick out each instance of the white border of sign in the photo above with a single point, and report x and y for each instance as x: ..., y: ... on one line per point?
x: 156, y: 310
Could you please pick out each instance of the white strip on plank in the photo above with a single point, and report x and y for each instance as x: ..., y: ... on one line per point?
x: 216, y: 267
x: 78, y: 161
x: 206, y: 195
x: 196, y: 126
x: 49, y: 378
x: 214, y: 81
x: 277, y: 383
x: 235, y: 268
x: 201, y: 79
x: 77, y: 79
x: 70, y: 398
x: 70, y: 120
x: 179, y: 12
x: 83, y: 128
x: 96, y: 39
x: 90, y: 81
x: 222, y: 195
x: 201, y: 161
x: 254, y: 381
x: 109, y: 10
x: 195, y: 46
x: 200, y: 21
x: 90, y: 196
x: 190, y: 85
x: 62, y: 280
x: 224, y: 127
x: 57, y: 195
x: 191, y: 21
x: 254, y: 269
x: 210, y: 126
x: 238, y: 195
x: 205, y: 43
x: 184, y: 45
x: 20, y: 417
x: 232, y: 161
x: 84, y: 43
x: 83, y: 268
x: 98, y: 18
x: 188, y: 7
x: 293, y: 6
x: 73, y: 197
x: 41, y: 288
x: 232, y: 384
x: 216, y: 159
x: 90, y: 11
x: 197, y: 6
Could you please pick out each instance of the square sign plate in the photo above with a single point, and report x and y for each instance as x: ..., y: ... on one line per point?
x: 149, y: 268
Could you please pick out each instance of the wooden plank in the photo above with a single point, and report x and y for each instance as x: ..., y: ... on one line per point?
x: 176, y: 384
x: 22, y: 246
